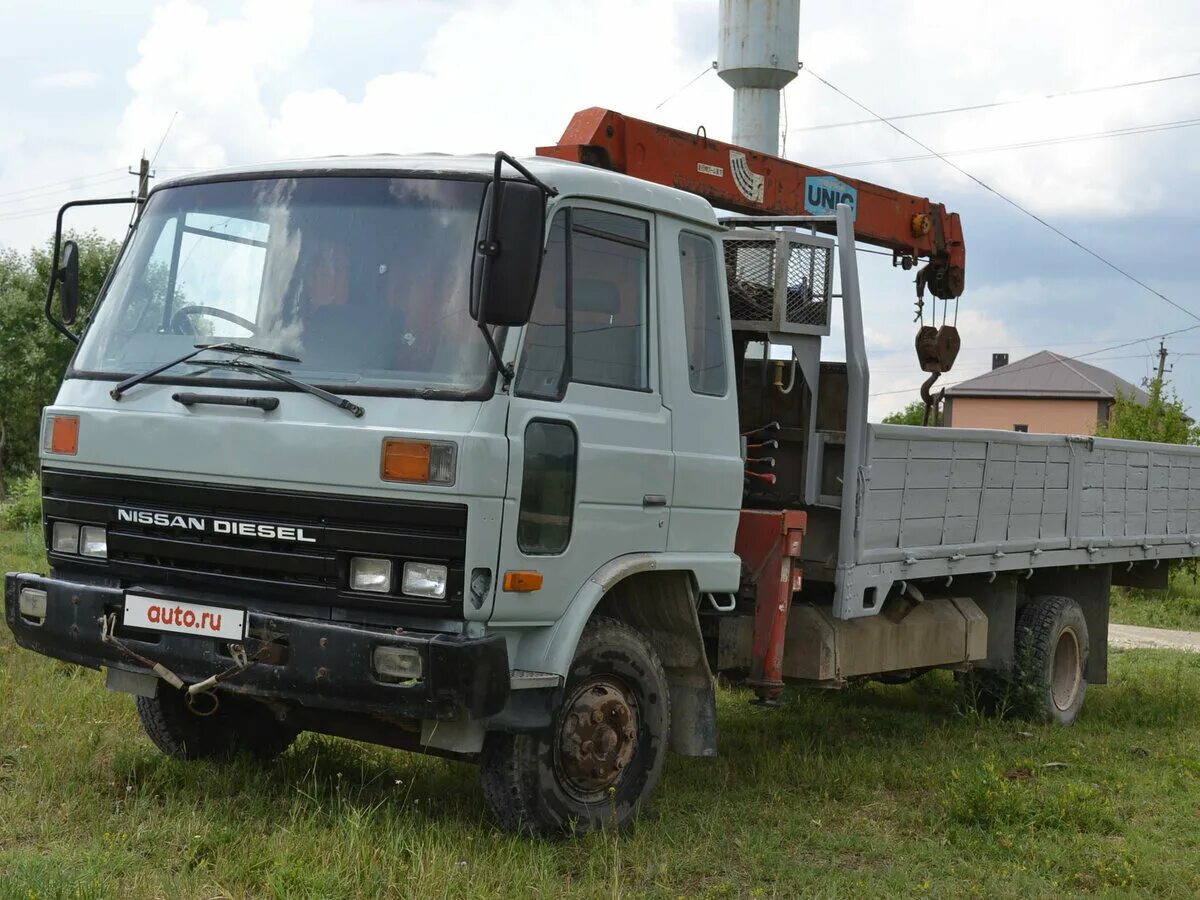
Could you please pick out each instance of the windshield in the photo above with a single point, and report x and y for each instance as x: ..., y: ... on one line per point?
x: 365, y: 279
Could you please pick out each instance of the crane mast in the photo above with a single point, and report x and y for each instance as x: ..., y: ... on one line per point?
x: 742, y: 180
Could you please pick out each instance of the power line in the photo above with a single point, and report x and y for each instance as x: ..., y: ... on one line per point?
x: 1007, y: 199
x: 1054, y: 361
x: 1033, y: 346
x: 1024, y: 145
x: 66, y: 182
x: 996, y: 103
x: 79, y: 186
x: 1147, y: 355
x: 13, y: 215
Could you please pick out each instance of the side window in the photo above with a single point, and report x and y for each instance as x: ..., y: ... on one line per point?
x: 544, y: 360
x: 700, y: 272
x: 589, y: 320
x: 610, y: 271
x: 547, y: 488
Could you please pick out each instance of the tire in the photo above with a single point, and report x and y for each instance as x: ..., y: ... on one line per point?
x: 237, y: 726
x: 554, y: 781
x: 1051, y: 657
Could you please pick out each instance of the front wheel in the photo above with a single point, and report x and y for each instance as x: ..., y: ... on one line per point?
x: 600, y: 760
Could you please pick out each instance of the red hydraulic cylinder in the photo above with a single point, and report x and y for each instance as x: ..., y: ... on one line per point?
x: 768, y: 541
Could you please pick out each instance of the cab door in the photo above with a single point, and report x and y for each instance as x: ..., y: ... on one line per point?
x: 590, y: 462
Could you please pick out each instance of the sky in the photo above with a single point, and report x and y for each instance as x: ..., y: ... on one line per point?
x: 92, y: 87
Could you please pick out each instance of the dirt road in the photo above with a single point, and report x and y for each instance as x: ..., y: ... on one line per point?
x: 1133, y: 637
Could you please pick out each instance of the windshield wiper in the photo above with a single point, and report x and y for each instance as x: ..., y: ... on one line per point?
x: 228, y: 347
x: 282, y: 375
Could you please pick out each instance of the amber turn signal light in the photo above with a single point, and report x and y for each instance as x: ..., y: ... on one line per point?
x: 522, y: 582
x: 406, y: 460
x: 62, y: 435
x: 421, y: 462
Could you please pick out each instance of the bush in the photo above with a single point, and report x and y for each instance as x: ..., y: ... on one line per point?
x: 24, y: 504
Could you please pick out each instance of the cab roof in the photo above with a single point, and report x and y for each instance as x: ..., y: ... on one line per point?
x: 570, y: 178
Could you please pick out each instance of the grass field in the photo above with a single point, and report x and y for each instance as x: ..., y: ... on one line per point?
x: 871, y: 791
x: 1178, y: 607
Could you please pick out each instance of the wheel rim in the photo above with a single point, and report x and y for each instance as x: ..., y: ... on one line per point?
x: 1066, y: 673
x: 597, y: 738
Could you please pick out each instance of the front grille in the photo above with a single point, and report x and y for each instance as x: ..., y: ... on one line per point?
x: 169, y: 534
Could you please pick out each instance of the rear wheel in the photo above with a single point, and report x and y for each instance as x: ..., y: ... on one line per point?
x: 600, y: 760
x: 236, y: 725
x: 1051, y: 657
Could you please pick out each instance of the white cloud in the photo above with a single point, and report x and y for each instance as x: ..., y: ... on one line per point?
x: 971, y: 53
x: 509, y: 74
x: 494, y: 75
x: 73, y: 78
x: 211, y: 73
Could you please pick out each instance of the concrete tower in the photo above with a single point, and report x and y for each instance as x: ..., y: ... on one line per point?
x: 757, y: 52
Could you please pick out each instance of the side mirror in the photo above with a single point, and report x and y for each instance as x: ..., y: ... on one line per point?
x: 64, y: 270
x: 508, y: 253
x: 68, y: 281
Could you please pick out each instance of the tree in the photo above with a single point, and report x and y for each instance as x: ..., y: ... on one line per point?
x: 913, y: 414
x: 1162, y: 418
x: 33, y: 355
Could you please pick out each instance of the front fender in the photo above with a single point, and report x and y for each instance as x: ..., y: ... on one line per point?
x: 551, y: 649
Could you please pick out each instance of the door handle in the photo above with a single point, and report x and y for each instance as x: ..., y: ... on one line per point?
x: 654, y: 500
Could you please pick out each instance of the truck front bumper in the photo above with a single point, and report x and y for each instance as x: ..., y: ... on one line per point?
x: 312, y: 663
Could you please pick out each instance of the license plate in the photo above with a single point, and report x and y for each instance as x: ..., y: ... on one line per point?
x: 157, y: 614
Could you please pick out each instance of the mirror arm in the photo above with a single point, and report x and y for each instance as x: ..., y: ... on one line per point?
x: 504, y: 368
x: 50, y: 317
x: 502, y: 157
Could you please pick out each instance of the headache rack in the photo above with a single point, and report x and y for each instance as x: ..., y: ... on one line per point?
x: 779, y: 281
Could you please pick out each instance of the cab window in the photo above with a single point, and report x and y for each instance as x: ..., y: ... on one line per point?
x: 590, y: 321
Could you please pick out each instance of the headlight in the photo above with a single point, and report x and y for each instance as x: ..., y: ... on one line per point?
x: 93, y: 541
x: 368, y: 574
x: 64, y: 538
x: 424, y: 580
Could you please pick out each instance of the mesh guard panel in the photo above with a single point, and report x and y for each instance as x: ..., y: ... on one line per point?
x: 779, y: 281
x: 807, y: 285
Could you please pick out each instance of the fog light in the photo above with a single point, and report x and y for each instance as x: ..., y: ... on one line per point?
x: 93, y: 541
x: 370, y: 574
x: 65, y: 537
x: 32, y: 605
x: 424, y: 580
x: 397, y: 663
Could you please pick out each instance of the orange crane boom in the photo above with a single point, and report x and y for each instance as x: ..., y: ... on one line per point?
x: 744, y: 181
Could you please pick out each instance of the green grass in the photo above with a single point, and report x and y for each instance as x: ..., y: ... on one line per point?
x: 1177, y: 607
x: 872, y: 791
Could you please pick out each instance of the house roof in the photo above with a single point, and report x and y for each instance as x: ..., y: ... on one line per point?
x: 1048, y: 375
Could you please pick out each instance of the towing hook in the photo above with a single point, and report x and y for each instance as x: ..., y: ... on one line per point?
x: 202, y: 703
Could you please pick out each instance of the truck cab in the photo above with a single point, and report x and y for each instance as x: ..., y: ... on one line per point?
x: 295, y: 480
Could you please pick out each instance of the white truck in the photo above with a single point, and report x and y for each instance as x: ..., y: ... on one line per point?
x: 493, y: 459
